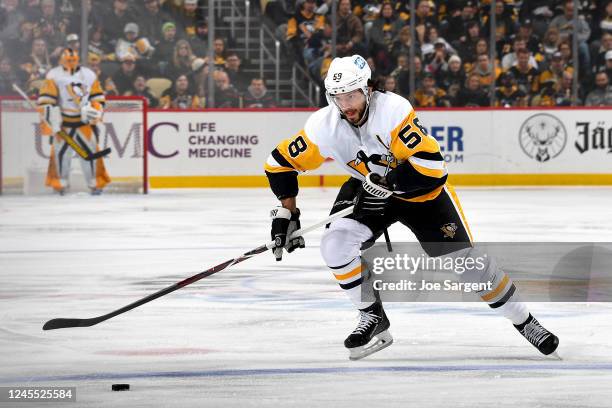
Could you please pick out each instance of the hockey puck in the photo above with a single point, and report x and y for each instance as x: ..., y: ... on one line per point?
x: 121, y: 387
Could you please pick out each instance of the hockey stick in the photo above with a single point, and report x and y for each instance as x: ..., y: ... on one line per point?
x: 63, y: 323
x: 80, y: 150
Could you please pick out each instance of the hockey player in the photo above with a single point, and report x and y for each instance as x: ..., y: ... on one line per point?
x: 72, y: 99
x: 368, y: 131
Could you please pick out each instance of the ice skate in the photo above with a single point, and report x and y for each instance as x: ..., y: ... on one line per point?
x: 371, y: 335
x: 537, y: 335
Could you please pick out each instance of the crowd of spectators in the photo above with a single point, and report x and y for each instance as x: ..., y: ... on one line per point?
x: 157, y: 49
x: 534, y: 65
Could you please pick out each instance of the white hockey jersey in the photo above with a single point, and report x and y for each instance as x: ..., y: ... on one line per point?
x: 392, y: 131
x: 71, y: 91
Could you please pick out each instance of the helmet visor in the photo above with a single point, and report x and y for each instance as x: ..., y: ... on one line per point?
x: 350, y: 100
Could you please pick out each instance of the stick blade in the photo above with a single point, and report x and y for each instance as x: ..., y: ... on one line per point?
x: 101, y: 153
x: 65, y: 323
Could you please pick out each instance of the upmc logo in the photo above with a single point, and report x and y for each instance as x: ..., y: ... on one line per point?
x: 128, y: 144
x: 152, y: 149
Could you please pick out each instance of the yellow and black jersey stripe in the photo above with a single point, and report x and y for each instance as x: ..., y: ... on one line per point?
x: 292, y: 155
x: 422, y: 171
x: 97, y: 94
x: 48, y: 94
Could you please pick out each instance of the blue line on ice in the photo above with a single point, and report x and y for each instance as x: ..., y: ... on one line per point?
x: 316, y: 370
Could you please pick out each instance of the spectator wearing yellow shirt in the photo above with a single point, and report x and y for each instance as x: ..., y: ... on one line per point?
x: 555, y: 70
x: 429, y: 95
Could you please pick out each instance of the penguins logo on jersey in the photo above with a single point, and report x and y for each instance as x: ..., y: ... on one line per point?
x: 76, y: 90
x: 449, y: 230
x: 542, y: 137
x: 362, y: 162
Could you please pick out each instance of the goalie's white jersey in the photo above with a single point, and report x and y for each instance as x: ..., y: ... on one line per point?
x: 392, y: 127
x: 70, y: 91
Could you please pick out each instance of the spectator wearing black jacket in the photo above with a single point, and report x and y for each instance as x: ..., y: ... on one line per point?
x: 11, y: 19
x: 467, y: 45
x: 508, y: 94
x: 113, y: 21
x: 456, y: 26
x: 151, y: 18
x: 540, y: 12
x: 505, y: 22
x: 532, y: 41
x: 383, y: 32
x: 599, y: 60
x: 181, y: 61
x: 233, y: 66
x: 452, y: 78
x: 199, y: 41
x: 165, y: 49
x: 257, y: 95
x: 185, y: 15
x: 139, y: 88
x: 472, y: 94
x: 10, y: 76
x: 126, y: 74
x: 226, y: 95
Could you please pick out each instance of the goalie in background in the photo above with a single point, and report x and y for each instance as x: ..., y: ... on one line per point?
x: 71, y: 99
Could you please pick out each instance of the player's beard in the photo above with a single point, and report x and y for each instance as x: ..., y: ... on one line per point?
x: 354, y: 115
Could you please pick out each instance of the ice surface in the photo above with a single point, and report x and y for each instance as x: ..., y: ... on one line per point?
x: 270, y: 334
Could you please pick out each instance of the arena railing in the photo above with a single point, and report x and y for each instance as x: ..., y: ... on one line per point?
x: 263, y: 50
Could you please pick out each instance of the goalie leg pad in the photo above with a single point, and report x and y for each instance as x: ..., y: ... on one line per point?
x: 53, y: 116
x: 63, y: 160
x: 88, y: 167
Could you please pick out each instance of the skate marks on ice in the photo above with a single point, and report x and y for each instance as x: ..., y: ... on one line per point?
x: 269, y: 334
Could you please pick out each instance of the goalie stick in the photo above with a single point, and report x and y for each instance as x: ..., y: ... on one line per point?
x: 82, y: 151
x: 62, y: 323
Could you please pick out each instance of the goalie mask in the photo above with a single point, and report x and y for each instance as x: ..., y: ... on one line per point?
x: 346, y: 75
x: 69, y: 59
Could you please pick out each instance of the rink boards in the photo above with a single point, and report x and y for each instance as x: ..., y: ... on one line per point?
x: 220, y: 148
x: 484, y: 147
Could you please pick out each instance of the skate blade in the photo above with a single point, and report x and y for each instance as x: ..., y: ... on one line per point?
x: 378, y: 342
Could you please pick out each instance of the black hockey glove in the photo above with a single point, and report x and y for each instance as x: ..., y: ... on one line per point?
x: 372, y: 198
x: 284, y: 223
